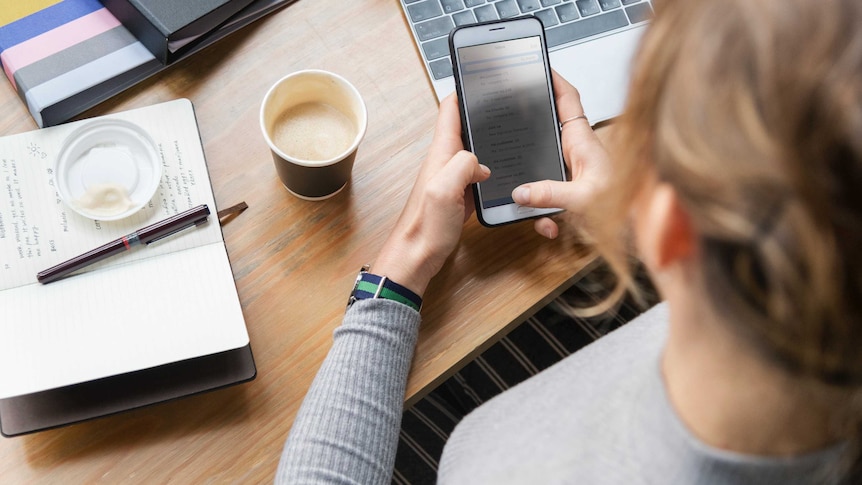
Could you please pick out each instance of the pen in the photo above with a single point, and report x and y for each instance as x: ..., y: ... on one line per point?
x: 151, y: 233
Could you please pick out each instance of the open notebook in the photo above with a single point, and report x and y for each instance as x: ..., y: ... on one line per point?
x: 171, y: 302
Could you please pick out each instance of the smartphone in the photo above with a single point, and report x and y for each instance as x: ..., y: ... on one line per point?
x: 508, y: 115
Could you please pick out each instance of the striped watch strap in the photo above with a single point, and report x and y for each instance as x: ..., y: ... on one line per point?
x: 373, y: 286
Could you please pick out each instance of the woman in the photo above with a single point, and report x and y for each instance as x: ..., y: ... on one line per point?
x: 737, y: 174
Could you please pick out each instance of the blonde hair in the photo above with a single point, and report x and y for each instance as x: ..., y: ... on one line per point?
x: 752, y: 111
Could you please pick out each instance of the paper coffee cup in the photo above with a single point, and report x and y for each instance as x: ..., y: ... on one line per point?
x: 313, y: 122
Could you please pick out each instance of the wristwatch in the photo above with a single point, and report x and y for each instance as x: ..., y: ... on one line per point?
x: 370, y: 285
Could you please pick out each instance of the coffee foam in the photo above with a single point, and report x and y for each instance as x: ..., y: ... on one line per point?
x: 313, y: 131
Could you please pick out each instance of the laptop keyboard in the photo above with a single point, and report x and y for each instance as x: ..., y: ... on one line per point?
x: 565, y: 21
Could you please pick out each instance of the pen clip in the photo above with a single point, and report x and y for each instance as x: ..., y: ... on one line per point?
x: 194, y: 223
x: 174, y: 224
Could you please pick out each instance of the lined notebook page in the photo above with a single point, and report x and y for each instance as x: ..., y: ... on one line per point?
x: 170, y: 301
x: 111, y: 322
x: 37, y: 230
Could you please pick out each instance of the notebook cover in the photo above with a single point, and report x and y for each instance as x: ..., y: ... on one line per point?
x: 89, y: 400
x: 166, y: 27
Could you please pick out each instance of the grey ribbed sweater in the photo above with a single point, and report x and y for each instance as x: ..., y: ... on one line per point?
x: 599, y: 416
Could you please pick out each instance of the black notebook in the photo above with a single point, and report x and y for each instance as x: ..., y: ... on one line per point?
x: 155, y: 323
x: 53, y: 408
x: 167, y: 27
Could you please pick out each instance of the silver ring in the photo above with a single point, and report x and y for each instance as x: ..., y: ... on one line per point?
x: 573, y: 118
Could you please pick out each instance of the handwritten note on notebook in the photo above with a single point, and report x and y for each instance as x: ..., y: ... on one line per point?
x: 171, y: 301
x: 38, y: 230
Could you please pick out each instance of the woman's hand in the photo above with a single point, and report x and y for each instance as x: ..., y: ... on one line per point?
x: 441, y: 201
x: 585, y: 156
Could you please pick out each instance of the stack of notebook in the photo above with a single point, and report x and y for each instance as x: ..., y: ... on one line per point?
x: 65, y: 56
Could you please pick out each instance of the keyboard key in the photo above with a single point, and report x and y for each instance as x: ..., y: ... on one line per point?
x: 567, y: 12
x: 473, y: 3
x: 432, y: 29
x: 464, y: 18
x: 528, y: 6
x: 507, y: 8
x: 425, y: 10
x: 609, y: 4
x: 485, y: 13
x: 629, y: 2
x: 450, y: 6
x: 587, y: 7
x: 639, y: 13
x: 436, y: 48
x: 548, y: 3
x: 585, y: 28
x: 548, y: 17
x: 441, y: 68
x: 408, y: 2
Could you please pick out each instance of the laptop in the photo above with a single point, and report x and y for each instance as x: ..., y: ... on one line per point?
x: 590, y: 42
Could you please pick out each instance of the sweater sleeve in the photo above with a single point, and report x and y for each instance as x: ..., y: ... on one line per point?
x: 347, y: 428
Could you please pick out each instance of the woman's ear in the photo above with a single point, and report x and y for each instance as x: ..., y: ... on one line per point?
x: 663, y: 227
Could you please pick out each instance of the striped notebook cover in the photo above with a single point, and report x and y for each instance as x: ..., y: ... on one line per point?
x: 65, y: 56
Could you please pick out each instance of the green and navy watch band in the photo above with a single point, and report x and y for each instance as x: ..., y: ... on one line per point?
x: 373, y: 286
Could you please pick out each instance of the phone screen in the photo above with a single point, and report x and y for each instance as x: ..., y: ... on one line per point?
x: 509, y: 111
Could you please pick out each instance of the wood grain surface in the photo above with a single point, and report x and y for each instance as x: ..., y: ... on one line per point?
x: 295, y: 261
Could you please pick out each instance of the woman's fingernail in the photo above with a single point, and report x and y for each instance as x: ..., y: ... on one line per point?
x: 485, y: 170
x: 521, y: 195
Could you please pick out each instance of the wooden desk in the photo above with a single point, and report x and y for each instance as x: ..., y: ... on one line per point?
x: 295, y: 261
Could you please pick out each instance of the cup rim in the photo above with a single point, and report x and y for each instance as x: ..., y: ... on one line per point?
x: 315, y: 163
